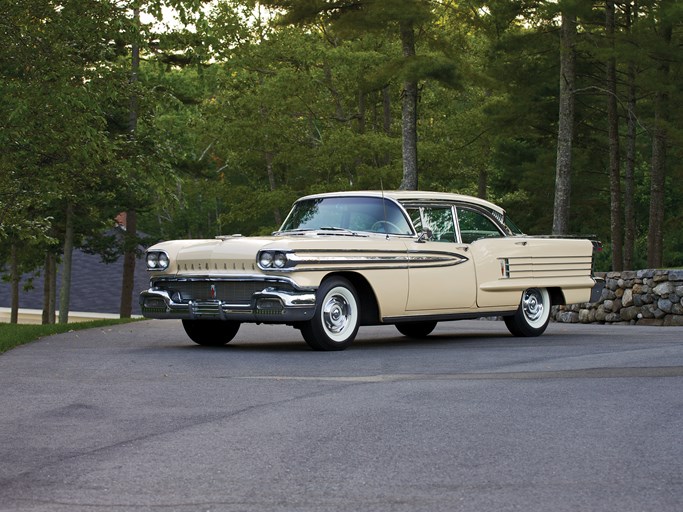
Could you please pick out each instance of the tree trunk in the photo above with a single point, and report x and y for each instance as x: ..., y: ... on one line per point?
x: 53, y: 289
x: 362, y: 96
x: 655, y: 250
x: 49, y: 289
x: 47, y: 281
x: 655, y: 242
x: 409, y: 113
x: 565, y: 132
x: 130, y: 245
x: 65, y: 291
x: 14, y: 284
x: 616, y: 227
x: 482, y: 183
x: 277, y: 216
x: 134, y: 71
x: 386, y: 110
x: 130, y: 236
x: 629, y: 172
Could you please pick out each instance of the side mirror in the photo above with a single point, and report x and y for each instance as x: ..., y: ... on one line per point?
x: 425, y: 236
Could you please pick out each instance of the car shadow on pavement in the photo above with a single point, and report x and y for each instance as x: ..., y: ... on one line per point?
x: 361, y: 343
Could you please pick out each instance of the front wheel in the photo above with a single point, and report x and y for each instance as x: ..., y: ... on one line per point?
x: 211, y: 333
x: 335, y: 323
x: 532, y: 316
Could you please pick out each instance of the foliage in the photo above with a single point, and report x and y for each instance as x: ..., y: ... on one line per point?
x: 240, y: 114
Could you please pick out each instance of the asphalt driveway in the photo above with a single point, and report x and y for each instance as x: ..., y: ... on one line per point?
x: 138, y: 418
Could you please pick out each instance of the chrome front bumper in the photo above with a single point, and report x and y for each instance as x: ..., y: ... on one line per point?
x: 270, y: 305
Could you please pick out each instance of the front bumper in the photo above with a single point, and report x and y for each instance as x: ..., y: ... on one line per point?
x: 269, y: 305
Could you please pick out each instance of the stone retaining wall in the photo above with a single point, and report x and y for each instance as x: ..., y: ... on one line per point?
x: 635, y: 297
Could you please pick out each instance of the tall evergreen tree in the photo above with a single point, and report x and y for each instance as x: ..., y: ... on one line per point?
x: 616, y: 225
x: 631, y: 13
x: 404, y: 18
x: 565, y: 135
x: 664, y: 30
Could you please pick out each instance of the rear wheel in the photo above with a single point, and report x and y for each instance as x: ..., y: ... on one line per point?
x: 416, y: 329
x: 211, y: 332
x: 532, y: 316
x: 335, y: 323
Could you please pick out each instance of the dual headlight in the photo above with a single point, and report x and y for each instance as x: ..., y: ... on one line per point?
x: 273, y: 260
x: 157, y: 260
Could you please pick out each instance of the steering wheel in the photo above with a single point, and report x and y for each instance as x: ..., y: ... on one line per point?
x: 385, y: 224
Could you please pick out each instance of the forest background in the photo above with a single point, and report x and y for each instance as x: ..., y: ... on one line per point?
x: 200, y: 118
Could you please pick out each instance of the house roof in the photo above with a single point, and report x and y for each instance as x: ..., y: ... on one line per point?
x: 95, y: 286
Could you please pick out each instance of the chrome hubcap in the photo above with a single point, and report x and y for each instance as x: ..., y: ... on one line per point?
x: 336, y: 314
x: 532, y: 305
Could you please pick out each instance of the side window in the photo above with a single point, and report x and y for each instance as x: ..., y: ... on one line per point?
x: 439, y: 220
x: 416, y: 218
x: 475, y: 225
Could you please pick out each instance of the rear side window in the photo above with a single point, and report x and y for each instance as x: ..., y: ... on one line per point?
x: 475, y: 225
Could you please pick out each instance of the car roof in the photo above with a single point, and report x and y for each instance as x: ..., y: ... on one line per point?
x: 413, y: 195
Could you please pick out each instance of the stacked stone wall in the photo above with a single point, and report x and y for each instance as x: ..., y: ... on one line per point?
x: 635, y: 297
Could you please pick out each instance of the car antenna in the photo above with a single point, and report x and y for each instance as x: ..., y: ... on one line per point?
x: 384, y: 206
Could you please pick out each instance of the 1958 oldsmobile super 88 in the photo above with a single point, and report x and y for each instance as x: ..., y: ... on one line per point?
x: 347, y: 259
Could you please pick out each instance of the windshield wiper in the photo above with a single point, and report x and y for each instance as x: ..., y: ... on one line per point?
x: 292, y: 231
x: 334, y: 228
x: 342, y: 231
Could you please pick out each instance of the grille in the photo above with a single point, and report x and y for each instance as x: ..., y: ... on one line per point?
x: 230, y: 292
x: 207, y: 309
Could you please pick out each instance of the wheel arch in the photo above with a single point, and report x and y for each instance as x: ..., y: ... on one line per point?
x: 556, y: 297
x: 369, y: 308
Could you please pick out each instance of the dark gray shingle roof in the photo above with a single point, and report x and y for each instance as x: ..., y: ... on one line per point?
x: 95, y: 286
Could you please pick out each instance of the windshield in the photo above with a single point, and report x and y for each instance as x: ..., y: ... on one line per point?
x: 369, y: 214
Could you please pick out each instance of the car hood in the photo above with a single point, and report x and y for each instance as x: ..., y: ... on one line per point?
x: 237, y: 254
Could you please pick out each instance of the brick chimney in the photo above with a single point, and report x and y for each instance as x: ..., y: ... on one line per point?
x: 121, y: 219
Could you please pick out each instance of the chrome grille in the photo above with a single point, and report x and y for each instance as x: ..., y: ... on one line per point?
x: 209, y: 309
x: 229, y: 292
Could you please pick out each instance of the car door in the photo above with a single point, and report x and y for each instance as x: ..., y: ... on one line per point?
x: 441, y: 271
x: 489, y: 250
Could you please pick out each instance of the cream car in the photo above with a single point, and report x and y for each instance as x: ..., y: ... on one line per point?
x: 343, y: 260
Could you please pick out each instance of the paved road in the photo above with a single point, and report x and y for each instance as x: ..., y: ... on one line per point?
x: 136, y: 418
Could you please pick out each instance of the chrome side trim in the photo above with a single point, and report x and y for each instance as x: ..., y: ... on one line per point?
x: 436, y: 259
x: 446, y: 317
x: 325, y: 260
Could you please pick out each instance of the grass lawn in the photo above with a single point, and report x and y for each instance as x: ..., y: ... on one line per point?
x: 13, y: 335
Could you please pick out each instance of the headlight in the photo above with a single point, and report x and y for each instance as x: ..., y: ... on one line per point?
x: 273, y: 260
x: 152, y: 260
x: 265, y: 260
x: 279, y: 260
x: 163, y: 261
x: 157, y: 260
